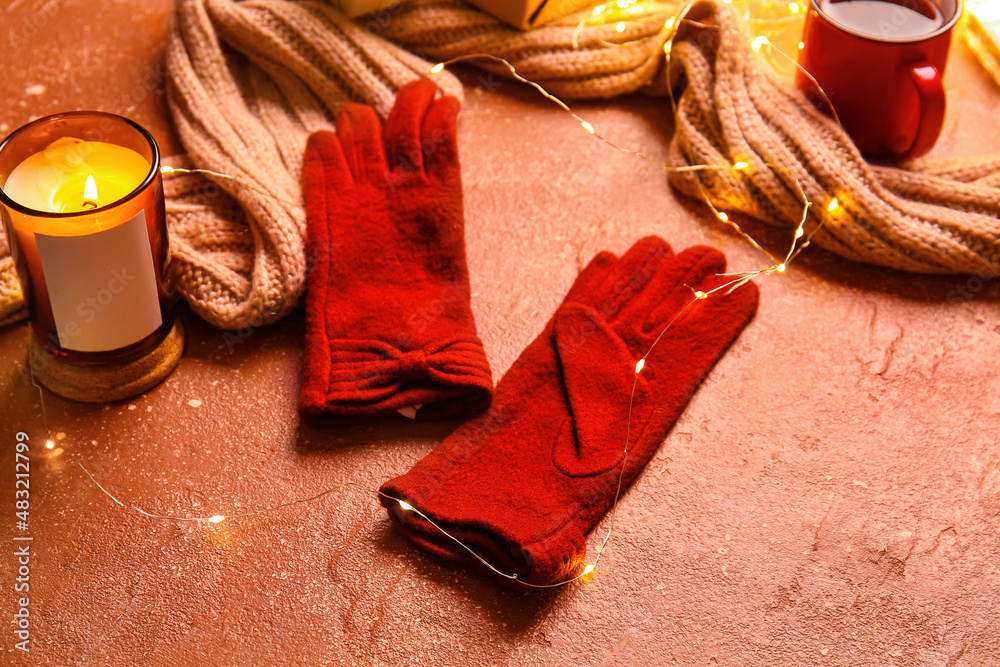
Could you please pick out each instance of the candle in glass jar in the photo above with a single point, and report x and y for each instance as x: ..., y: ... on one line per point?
x: 81, y: 201
x: 97, y: 267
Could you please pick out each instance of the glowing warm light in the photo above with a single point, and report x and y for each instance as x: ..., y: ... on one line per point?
x: 758, y: 42
x: 587, y: 570
x: 794, y: 7
x: 166, y: 170
x: 781, y: 268
x: 587, y: 126
x: 799, y: 233
x: 832, y: 206
x: 598, y: 9
x: 437, y: 68
x: 620, y: 27
x: 741, y: 165
x: 670, y: 23
x: 700, y: 295
x: 802, y: 45
x: 218, y: 518
x: 639, y: 365
x: 49, y: 444
x: 622, y: 4
x: 668, y: 47
x: 405, y: 505
x: 90, y: 189
x: 722, y: 216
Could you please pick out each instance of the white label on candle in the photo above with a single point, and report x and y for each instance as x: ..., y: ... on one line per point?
x: 102, y: 286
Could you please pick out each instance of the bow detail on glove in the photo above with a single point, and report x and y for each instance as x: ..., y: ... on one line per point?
x: 363, y: 373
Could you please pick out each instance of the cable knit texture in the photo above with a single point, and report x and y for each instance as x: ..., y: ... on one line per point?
x: 250, y: 81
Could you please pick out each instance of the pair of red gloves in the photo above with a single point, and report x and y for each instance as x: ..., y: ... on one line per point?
x: 389, y: 327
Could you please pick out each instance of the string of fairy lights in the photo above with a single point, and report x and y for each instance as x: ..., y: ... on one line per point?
x: 801, y: 239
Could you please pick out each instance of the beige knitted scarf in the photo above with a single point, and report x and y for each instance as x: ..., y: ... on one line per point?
x: 249, y: 81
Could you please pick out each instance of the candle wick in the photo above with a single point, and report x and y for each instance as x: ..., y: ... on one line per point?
x: 89, y: 204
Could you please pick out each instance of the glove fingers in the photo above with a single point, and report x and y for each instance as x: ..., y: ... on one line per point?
x: 724, y: 312
x: 440, y: 143
x: 324, y: 166
x: 402, y: 129
x: 630, y: 277
x: 700, y: 336
x: 591, y: 278
x: 675, y: 288
x: 360, y: 135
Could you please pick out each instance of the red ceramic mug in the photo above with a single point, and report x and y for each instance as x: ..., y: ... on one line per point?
x: 880, y: 64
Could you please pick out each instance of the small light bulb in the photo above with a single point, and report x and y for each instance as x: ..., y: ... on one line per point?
x: 622, y: 4
x: 700, y: 295
x: 722, y: 216
x: 668, y: 47
x: 405, y: 505
x: 587, y: 126
x: 598, y: 9
x: 802, y: 45
x: 620, y: 27
x: 670, y: 23
x: 794, y: 7
x: 758, y: 42
x: 437, y: 68
x: 166, y: 170
x: 781, y: 268
x: 799, y: 233
x: 49, y: 444
x: 639, y: 365
x: 832, y: 206
x: 218, y: 518
x: 587, y: 570
x: 741, y: 165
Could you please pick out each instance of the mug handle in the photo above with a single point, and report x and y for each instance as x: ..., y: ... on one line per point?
x: 930, y: 89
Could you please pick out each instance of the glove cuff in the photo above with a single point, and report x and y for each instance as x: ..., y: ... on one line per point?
x: 551, y: 557
x: 368, y: 377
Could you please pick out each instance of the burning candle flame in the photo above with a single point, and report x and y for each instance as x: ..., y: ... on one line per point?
x: 90, y: 190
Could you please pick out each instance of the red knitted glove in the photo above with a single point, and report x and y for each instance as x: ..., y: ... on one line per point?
x: 525, y: 482
x: 388, y: 323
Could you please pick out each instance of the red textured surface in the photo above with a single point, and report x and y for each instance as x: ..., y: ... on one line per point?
x: 831, y: 496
